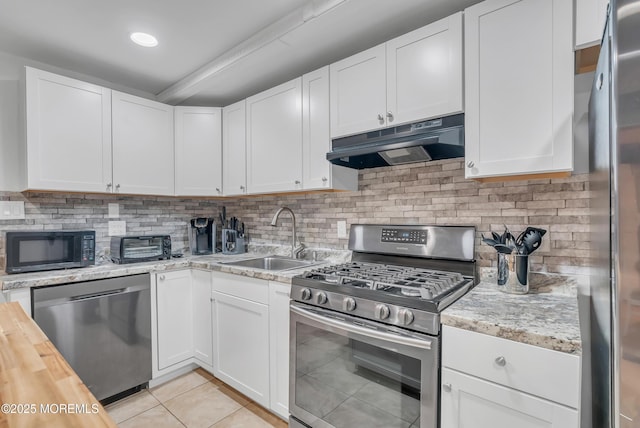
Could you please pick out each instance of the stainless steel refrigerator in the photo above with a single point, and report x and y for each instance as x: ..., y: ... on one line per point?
x: 611, y: 351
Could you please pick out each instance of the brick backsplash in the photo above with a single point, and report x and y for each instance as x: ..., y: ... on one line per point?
x: 144, y: 215
x: 426, y: 193
x: 437, y: 193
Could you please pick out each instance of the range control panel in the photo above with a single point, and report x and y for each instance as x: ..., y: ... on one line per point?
x: 405, y: 236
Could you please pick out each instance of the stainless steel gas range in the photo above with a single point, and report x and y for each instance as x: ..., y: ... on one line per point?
x: 365, y: 335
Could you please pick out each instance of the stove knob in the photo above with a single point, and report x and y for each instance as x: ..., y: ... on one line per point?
x: 382, y: 311
x: 405, y: 316
x: 348, y: 304
x: 321, y: 298
x: 306, y: 294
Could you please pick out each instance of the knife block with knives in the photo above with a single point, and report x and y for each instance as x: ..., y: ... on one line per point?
x: 233, y: 242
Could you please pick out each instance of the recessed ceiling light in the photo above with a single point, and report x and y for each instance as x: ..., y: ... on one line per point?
x: 144, y: 39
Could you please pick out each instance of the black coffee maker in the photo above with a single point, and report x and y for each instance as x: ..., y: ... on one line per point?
x: 202, y: 236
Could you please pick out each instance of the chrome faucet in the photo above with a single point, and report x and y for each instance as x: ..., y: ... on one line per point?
x: 296, y: 252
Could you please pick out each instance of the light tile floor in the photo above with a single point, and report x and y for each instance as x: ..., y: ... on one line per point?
x: 194, y: 400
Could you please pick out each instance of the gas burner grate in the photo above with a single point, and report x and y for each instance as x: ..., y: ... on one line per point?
x: 406, y: 281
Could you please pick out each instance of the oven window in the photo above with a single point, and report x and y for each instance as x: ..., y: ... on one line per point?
x: 348, y: 383
x: 42, y: 251
x: 142, y: 248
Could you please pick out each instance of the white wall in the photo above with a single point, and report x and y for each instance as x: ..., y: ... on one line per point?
x: 11, y: 68
x: 11, y: 149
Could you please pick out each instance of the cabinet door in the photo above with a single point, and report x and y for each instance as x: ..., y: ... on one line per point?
x: 317, y: 171
x: 316, y: 139
x: 274, y: 139
x: 143, y: 152
x: 241, y: 345
x: 198, y: 151
x: 202, y: 326
x: 590, y: 19
x: 174, y: 317
x: 68, y: 132
x: 467, y: 401
x: 234, y: 149
x: 424, y: 72
x: 518, y: 87
x: 358, y: 92
x: 279, y: 347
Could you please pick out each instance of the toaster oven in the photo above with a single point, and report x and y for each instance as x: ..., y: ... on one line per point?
x: 133, y: 249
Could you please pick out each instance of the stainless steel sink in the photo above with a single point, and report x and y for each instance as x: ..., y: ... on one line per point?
x: 272, y: 263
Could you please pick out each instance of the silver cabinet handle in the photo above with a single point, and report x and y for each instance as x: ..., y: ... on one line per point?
x: 325, y: 179
x: 109, y: 186
x: 211, y: 299
x: 218, y: 189
x: 390, y: 116
x: 380, y: 119
x: 501, y: 361
x: 117, y: 187
x: 470, y: 164
x: 297, y: 181
x: 162, y: 277
x: 242, y: 188
x: 446, y: 387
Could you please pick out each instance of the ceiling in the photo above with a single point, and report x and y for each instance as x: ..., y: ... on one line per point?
x: 210, y: 52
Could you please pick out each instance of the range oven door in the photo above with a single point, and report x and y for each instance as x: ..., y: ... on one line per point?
x: 350, y: 372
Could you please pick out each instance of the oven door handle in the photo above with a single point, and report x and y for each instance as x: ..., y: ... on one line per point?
x: 354, y: 328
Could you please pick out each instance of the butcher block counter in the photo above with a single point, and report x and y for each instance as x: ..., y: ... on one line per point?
x: 38, y: 388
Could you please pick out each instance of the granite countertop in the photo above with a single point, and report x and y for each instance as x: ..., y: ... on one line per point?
x: 548, y: 320
x: 545, y: 319
x: 214, y: 262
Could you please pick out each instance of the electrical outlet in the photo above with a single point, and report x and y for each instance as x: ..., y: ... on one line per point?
x: 11, y: 210
x: 114, y: 210
x: 342, y: 229
x: 117, y: 228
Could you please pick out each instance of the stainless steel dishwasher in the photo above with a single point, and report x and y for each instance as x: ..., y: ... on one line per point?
x: 102, y: 328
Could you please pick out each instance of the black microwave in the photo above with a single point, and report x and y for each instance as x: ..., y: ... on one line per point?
x: 48, y: 250
x: 132, y: 249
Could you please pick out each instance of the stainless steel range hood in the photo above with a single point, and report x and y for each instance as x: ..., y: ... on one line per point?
x: 416, y: 142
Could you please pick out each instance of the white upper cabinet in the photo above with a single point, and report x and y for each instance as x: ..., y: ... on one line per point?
x: 424, y: 72
x: 234, y: 149
x: 143, y: 151
x: 518, y: 87
x: 198, y: 151
x: 68, y: 133
x: 317, y: 171
x: 358, y: 92
x: 415, y: 76
x: 590, y: 19
x: 274, y: 139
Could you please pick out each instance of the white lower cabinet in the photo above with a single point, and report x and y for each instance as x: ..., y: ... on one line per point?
x: 20, y: 295
x: 241, y: 335
x: 468, y: 401
x: 506, y: 384
x: 232, y: 326
x: 279, y: 347
x: 174, y: 305
x: 202, y: 326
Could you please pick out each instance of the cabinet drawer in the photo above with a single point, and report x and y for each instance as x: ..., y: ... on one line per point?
x: 255, y: 290
x: 538, y: 371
